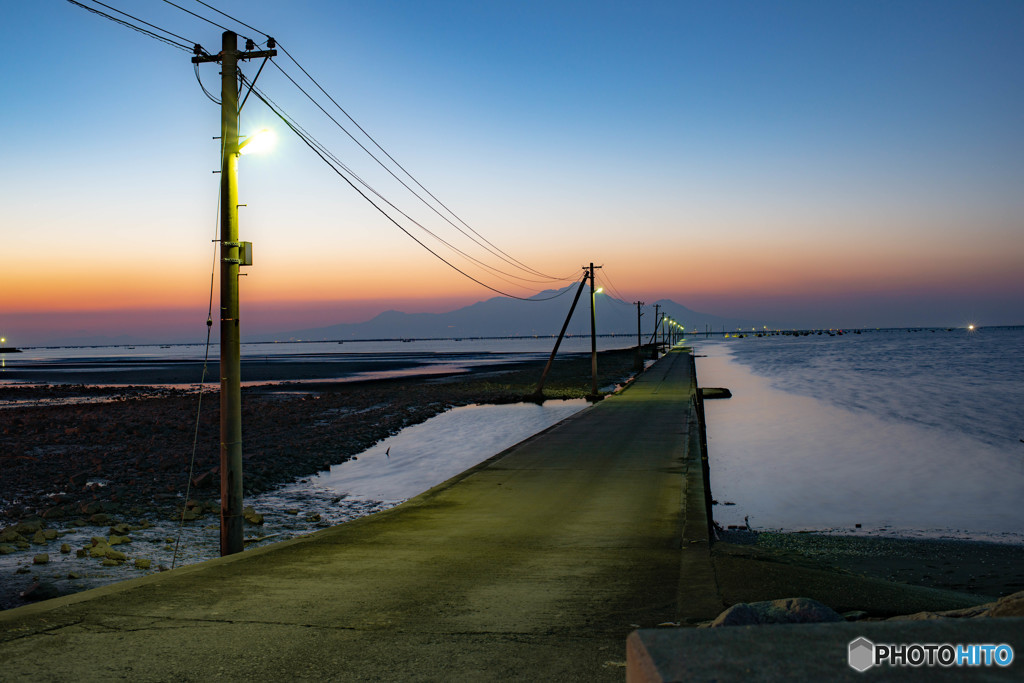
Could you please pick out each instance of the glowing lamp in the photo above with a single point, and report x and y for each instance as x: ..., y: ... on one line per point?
x: 262, y: 141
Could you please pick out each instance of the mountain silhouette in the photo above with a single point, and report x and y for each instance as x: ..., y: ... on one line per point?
x: 541, y: 315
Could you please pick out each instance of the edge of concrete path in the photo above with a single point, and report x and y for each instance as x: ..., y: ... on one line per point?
x: 699, y: 597
x: 44, y: 606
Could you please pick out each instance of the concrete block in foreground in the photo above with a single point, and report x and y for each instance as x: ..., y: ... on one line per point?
x: 817, y: 651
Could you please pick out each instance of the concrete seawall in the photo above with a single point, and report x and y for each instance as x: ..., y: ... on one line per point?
x: 534, y: 565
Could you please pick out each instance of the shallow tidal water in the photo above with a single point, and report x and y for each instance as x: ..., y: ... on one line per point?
x: 914, y: 438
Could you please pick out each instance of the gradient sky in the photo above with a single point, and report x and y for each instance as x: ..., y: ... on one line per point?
x: 805, y: 163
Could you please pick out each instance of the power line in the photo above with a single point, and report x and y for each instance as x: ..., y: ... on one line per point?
x: 237, y: 21
x: 344, y: 177
x: 187, y: 46
x: 496, y: 272
x: 619, y: 298
x: 197, y: 16
x: 407, y: 173
x: 489, y: 247
x: 206, y: 92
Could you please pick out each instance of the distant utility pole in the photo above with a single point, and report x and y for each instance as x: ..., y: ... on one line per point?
x: 654, y: 334
x: 593, y: 334
x: 230, y: 258
x: 638, y: 364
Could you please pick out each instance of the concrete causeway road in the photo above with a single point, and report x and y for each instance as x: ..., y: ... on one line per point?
x: 535, y: 565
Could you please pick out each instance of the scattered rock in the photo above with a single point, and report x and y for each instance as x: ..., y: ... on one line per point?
x: 38, y: 538
x: 116, y: 555
x: 28, y: 527
x: 786, y: 611
x: 42, y: 558
x: 118, y: 540
x: 110, y: 562
x: 142, y: 563
x: 100, y: 519
x: 252, y: 516
x: 65, y: 548
x: 6, y: 549
x: 11, y: 536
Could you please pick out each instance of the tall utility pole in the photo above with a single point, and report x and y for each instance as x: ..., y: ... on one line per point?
x: 593, y: 334
x: 231, y: 518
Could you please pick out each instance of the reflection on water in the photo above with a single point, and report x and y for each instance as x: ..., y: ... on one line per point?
x: 793, y: 462
x: 429, y: 453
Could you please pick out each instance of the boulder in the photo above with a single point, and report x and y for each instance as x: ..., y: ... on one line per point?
x: 116, y: 555
x: 786, y: 611
x: 11, y: 536
x: 42, y: 558
x: 28, y: 528
x: 65, y: 548
x: 38, y: 538
x: 142, y: 563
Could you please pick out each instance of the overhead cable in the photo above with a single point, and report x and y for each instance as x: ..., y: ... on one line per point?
x: 187, y: 46
x: 485, y: 244
x: 496, y: 272
x: 344, y: 177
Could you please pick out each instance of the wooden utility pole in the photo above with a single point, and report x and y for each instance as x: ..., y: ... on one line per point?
x: 231, y: 518
x: 638, y: 363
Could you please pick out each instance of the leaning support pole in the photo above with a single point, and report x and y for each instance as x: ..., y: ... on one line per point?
x: 547, y: 368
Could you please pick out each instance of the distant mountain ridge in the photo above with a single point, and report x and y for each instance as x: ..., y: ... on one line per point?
x: 542, y: 315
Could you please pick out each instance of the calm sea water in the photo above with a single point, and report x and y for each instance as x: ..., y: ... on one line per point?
x: 903, y: 433
x: 350, y: 360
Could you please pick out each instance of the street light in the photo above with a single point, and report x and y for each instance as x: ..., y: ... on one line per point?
x: 259, y: 142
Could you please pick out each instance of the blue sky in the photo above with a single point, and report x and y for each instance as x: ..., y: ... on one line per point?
x: 816, y: 164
